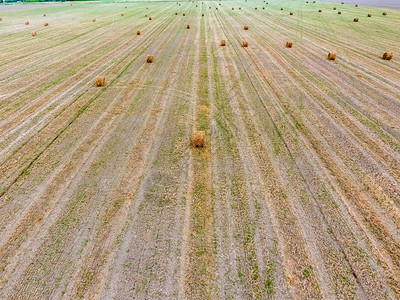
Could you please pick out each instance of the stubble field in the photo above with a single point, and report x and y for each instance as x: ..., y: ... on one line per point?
x: 295, y: 195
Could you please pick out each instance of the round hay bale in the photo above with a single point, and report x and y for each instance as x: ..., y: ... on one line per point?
x: 223, y: 43
x: 100, y: 81
x: 387, y: 55
x: 356, y: 5
x: 334, y: 8
x: 263, y: 8
x: 148, y: 8
x: 246, y: 27
x: 27, y: 23
x: 240, y: 8
x: 209, y: 7
x: 356, y: 20
x: 369, y: 15
x: 339, y: 12
x: 281, y: 8
x: 34, y: 33
x: 145, y: 16
x: 255, y: 8
x: 384, y: 14
x: 94, y: 20
x: 176, y: 14
x: 291, y: 14
x: 44, y: 15
x: 196, y: 5
x: 150, y: 18
x: 187, y: 26
x: 122, y: 15
x: 183, y: 14
x: 245, y: 44
x: 233, y: 8
x: 331, y: 56
x: 216, y: 8
x: 126, y: 7
x: 202, y: 15
x: 1, y: 19
x: 138, y: 32
x: 198, y: 139
x: 149, y: 59
x: 319, y: 10
x: 46, y: 24
x: 289, y: 44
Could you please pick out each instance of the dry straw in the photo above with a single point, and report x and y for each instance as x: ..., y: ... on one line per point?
x: 198, y: 139
x: 331, y: 56
x: 149, y: 58
x: 223, y: 43
x: 289, y: 44
x: 387, y: 55
x: 245, y: 44
x: 100, y: 81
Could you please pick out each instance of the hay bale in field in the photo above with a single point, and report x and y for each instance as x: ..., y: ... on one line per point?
x: 263, y: 8
x: 384, y: 14
x: 149, y: 58
x: 138, y: 32
x: 196, y: 5
x: 255, y: 8
x: 122, y: 15
x: 289, y: 44
x: 209, y: 7
x: 27, y: 23
x: 240, y: 8
x: 34, y: 34
x: 183, y: 14
x: 202, y: 15
x: 356, y: 20
x: 331, y: 56
x: 187, y: 26
x: 150, y: 18
x: 216, y: 8
x: 44, y: 15
x: 281, y: 8
x: 291, y: 14
x: 246, y: 27
x: 223, y: 43
x: 148, y: 8
x: 356, y: 5
x: 145, y: 16
x: 233, y: 8
x: 176, y: 14
x: 198, y: 139
x: 46, y: 24
x: 1, y: 19
x: 245, y: 44
x: 94, y: 20
x: 369, y: 15
x: 100, y: 81
x: 334, y: 8
x: 387, y: 55
x: 339, y: 12
x: 319, y: 10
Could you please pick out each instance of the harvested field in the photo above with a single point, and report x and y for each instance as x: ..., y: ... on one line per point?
x: 293, y: 192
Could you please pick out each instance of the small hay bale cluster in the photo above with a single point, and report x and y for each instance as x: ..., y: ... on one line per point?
x: 149, y: 59
x: 331, y: 56
x: 46, y: 24
x: 289, y: 44
x: 356, y: 20
x: 387, y: 55
x: 384, y: 14
x: 198, y: 139
x: 100, y: 81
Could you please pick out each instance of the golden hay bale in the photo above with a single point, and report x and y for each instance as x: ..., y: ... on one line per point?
x: 233, y: 8
x: 27, y: 23
x: 289, y: 44
x: 46, y: 24
x: 147, y: 8
x: 246, y: 27
x: 202, y: 15
x: 150, y: 18
x: 198, y: 139
x: 94, y: 20
x: 100, y: 81
x: 223, y: 43
x: 44, y: 15
x: 356, y: 20
x: 138, y: 32
x: 291, y: 13
x: 245, y: 44
x: 145, y: 16
x: 183, y: 14
x: 369, y: 15
x: 149, y: 58
x: 176, y: 14
x: 1, y: 19
x: 34, y: 34
x: 187, y: 26
x: 384, y: 14
x: 339, y: 12
x: 216, y: 8
x: 331, y: 56
x: 319, y: 10
x: 387, y: 55
x: 122, y: 15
